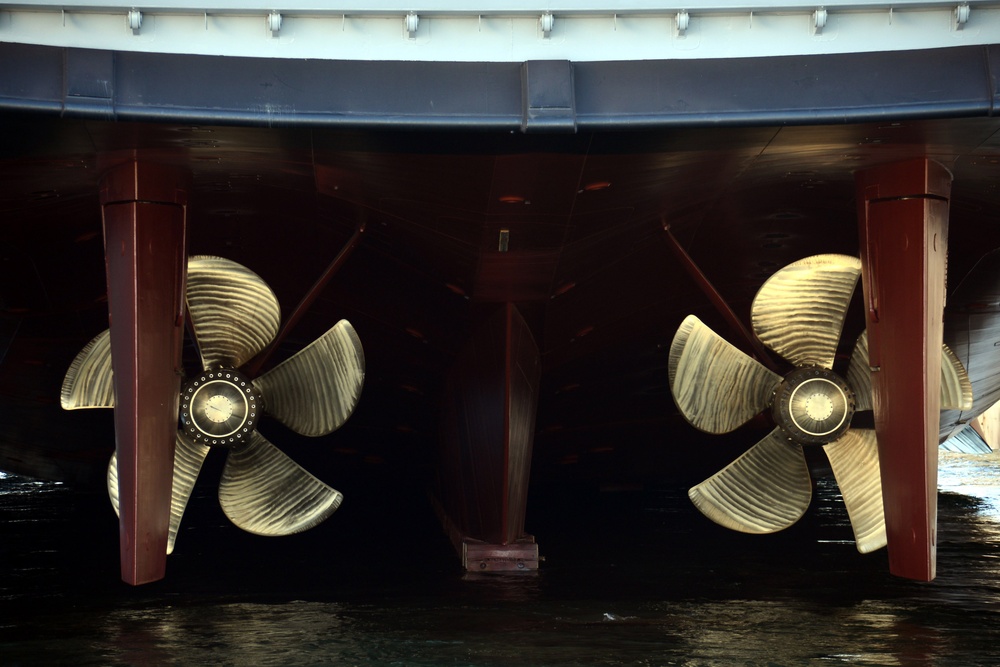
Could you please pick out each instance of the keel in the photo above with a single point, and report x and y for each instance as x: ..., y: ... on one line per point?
x: 487, y: 436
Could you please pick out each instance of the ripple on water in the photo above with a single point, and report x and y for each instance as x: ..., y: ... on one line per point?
x: 645, y: 581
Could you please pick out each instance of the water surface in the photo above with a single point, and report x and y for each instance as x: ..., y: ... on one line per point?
x: 629, y: 579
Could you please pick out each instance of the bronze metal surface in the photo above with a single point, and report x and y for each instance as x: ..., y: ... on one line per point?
x: 314, y: 392
x: 768, y: 488
x: 765, y: 490
x: 88, y: 382
x: 235, y: 314
x: 715, y: 386
x: 265, y: 492
x: 854, y: 458
x: 799, y: 312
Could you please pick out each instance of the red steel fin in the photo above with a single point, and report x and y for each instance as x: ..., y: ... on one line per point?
x: 903, y: 230
x: 144, y: 214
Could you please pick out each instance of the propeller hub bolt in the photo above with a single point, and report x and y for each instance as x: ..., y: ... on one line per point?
x: 219, y: 408
x: 813, y: 406
x: 818, y: 406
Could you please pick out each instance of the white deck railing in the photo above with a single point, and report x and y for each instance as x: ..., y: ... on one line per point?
x: 580, y: 30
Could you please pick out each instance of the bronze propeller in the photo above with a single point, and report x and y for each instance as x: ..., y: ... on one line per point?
x: 799, y: 314
x: 235, y: 315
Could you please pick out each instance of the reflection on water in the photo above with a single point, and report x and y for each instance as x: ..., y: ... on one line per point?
x: 790, y: 631
x: 975, y: 476
x: 232, y: 633
x: 636, y: 580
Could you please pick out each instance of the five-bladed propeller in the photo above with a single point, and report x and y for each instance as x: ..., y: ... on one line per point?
x: 799, y: 314
x: 235, y: 315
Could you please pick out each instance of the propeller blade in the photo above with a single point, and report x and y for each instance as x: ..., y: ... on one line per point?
x: 88, y: 382
x: 715, y: 386
x: 859, y: 375
x: 763, y: 491
x: 799, y: 312
x: 854, y: 459
x: 188, y: 457
x: 266, y: 493
x: 967, y: 441
x: 235, y: 314
x: 113, y: 494
x: 956, y: 389
x: 314, y: 392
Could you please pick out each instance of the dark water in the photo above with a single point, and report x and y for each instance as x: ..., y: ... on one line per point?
x: 629, y: 579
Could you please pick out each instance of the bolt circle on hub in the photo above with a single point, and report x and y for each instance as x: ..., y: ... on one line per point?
x: 813, y: 406
x: 219, y: 408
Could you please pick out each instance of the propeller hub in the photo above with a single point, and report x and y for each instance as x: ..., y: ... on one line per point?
x: 219, y: 408
x: 813, y: 406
